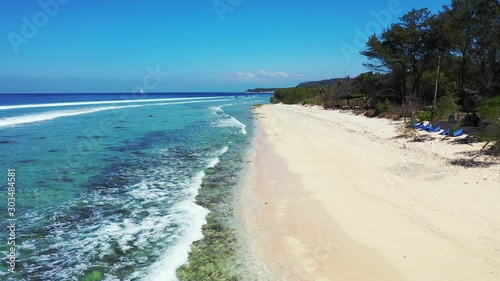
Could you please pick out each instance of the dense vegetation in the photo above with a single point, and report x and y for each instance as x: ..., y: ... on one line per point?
x: 294, y: 95
x: 441, y: 63
x: 322, y: 83
x: 444, y: 58
x: 261, y: 90
x: 367, y: 88
x: 459, y: 48
x: 490, y: 112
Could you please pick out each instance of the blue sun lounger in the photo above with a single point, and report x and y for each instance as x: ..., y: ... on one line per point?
x: 426, y: 127
x: 435, y: 129
x: 418, y: 125
x: 445, y: 132
x: 458, y: 132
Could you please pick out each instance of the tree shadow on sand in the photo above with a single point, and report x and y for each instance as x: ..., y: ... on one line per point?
x: 476, y: 159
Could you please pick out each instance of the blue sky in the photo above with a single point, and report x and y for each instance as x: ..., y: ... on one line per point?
x: 180, y: 45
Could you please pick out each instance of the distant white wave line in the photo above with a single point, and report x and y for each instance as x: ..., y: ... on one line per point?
x: 230, y: 121
x: 226, y: 105
x: 241, y: 125
x: 216, y: 109
x: 26, y: 119
x: 98, y: 102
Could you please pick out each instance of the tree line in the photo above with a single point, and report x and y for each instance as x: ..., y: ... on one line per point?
x: 438, y: 63
x: 453, y: 52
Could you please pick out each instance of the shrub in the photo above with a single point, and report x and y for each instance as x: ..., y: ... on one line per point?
x: 294, y: 95
x: 308, y: 102
x: 455, y: 127
x: 405, y: 130
x: 401, y: 110
x: 370, y: 113
x: 446, y: 105
x: 384, y: 106
x: 425, y: 116
x: 489, y: 111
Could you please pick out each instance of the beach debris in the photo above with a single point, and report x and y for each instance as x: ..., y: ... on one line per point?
x: 470, y: 163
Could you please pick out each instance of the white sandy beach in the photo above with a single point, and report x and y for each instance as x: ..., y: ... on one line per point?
x: 341, y: 198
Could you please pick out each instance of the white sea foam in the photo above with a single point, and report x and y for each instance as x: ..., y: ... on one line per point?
x: 187, y: 212
x: 216, y: 109
x: 222, y: 151
x: 50, y: 115
x: 178, y: 228
x: 227, y: 120
x: 159, y: 211
x: 31, y: 118
x: 60, y: 104
x: 214, y: 161
x: 192, y: 217
x: 230, y: 121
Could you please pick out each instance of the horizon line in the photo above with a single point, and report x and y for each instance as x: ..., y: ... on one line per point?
x: 145, y: 94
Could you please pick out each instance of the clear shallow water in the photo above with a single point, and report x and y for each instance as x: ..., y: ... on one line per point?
x: 105, y: 184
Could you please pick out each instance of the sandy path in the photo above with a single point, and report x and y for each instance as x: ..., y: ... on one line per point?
x: 342, y: 199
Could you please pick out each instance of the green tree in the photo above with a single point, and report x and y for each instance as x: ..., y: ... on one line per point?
x: 446, y: 105
x: 490, y: 113
x: 475, y: 41
x: 405, y: 49
x: 294, y: 95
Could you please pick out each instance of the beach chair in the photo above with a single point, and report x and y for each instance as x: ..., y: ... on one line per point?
x: 458, y: 132
x: 445, y: 132
x: 426, y: 127
x: 418, y: 125
x: 435, y: 129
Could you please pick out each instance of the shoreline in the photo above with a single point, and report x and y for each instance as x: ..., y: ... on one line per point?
x: 342, y: 197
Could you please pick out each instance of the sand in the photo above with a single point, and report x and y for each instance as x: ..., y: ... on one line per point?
x: 335, y: 196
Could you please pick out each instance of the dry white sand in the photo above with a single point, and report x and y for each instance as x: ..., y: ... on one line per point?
x: 335, y: 196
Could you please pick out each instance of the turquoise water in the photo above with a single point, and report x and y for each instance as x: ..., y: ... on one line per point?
x: 106, y: 184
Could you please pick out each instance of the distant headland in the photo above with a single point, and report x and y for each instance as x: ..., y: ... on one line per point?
x: 261, y: 90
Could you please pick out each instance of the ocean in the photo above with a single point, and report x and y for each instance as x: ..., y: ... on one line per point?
x: 104, y: 185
